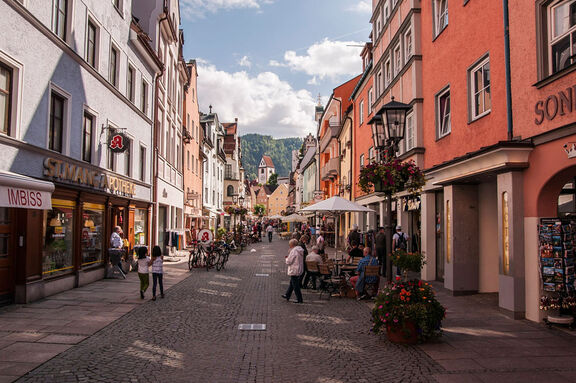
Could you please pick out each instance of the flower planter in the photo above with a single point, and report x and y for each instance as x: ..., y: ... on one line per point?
x: 402, y: 335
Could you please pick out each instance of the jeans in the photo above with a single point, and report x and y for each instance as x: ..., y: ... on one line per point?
x: 144, y: 281
x: 294, y: 285
x: 157, y: 279
x: 269, y: 236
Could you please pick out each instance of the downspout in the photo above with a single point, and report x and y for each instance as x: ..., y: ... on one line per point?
x: 155, y: 137
x: 508, y: 75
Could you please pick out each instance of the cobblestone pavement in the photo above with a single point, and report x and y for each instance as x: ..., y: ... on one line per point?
x: 192, y: 336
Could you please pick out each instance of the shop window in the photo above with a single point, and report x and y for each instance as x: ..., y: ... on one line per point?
x: 92, y: 234
x: 5, y: 98
x: 480, y: 95
x: 57, y: 109
x: 443, y: 125
x: 58, y: 239
x: 140, y: 226
x: 92, y: 44
x: 440, y: 12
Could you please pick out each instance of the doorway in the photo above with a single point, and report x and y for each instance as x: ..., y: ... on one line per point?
x: 6, y: 256
x: 440, y: 236
x: 161, y: 225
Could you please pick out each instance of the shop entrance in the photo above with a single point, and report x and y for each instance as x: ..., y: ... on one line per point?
x: 6, y: 256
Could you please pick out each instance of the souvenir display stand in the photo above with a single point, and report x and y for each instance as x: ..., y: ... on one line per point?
x: 557, y: 257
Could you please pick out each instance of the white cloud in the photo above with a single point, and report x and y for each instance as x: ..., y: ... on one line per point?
x: 327, y: 59
x: 198, y: 8
x: 363, y: 6
x: 245, y: 61
x: 263, y: 103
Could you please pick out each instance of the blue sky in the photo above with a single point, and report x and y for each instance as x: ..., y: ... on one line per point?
x: 265, y: 61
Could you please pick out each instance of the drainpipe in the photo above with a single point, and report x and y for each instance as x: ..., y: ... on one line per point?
x: 155, y: 136
x: 508, y: 76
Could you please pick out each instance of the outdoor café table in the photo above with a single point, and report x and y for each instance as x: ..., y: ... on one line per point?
x: 348, y: 269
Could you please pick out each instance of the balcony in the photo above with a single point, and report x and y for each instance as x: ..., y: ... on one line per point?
x: 330, y: 170
x: 332, y: 133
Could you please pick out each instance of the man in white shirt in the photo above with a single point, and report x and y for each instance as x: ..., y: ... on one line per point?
x: 116, y: 243
x: 269, y: 230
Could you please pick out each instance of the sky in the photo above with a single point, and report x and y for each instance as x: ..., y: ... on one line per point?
x: 266, y: 61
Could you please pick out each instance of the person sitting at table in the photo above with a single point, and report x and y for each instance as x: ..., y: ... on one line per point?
x: 359, y: 281
x: 355, y: 252
x: 313, y: 256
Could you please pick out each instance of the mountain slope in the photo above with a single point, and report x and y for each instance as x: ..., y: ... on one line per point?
x: 254, y: 146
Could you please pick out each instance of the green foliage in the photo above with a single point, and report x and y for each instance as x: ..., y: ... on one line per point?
x: 408, y: 261
x: 412, y: 301
x: 221, y: 232
x: 273, y: 180
x: 254, y: 146
x: 259, y: 210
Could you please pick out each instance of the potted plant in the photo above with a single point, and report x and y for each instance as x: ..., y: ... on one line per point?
x: 408, y: 312
x: 391, y: 176
x: 406, y: 261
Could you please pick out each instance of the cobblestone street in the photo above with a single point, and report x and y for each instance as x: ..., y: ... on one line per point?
x: 192, y: 335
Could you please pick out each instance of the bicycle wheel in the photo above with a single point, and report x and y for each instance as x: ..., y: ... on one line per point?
x: 209, y: 260
x: 191, y: 259
x: 219, y: 262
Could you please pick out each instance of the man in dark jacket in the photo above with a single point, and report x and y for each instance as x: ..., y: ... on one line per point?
x: 354, y: 236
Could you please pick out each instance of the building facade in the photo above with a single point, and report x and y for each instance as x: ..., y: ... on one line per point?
x: 76, y: 140
x: 213, y: 179
x: 265, y: 169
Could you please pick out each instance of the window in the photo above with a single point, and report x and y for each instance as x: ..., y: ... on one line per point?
x: 130, y: 83
x: 480, y: 96
x: 142, y: 164
x: 361, y: 161
x: 113, y: 70
x: 144, y: 98
x: 361, y: 111
x: 387, y: 73
x: 91, y: 43
x: 60, y: 18
x: 5, y: 98
x: 230, y: 191
x: 128, y: 158
x: 386, y: 11
x: 88, y: 130
x: 443, y: 113
x: 397, y: 60
x: 370, y: 100
x: 408, y: 44
x: 371, y: 155
x: 379, y: 87
x: 562, y: 38
x: 440, y: 15
x: 409, y: 140
x: 57, y: 105
x: 187, y: 159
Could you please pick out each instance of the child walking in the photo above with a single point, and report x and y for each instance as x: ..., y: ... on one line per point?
x: 143, y: 263
x: 157, y: 271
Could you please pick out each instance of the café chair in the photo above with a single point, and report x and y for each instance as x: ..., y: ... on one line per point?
x: 371, y: 289
x: 329, y: 284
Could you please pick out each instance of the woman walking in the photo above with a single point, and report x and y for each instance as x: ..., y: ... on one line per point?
x: 295, y: 262
x: 143, y: 263
x: 157, y: 271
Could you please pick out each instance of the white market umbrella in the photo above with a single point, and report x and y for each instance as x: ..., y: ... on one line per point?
x: 294, y: 218
x: 276, y: 216
x: 337, y: 205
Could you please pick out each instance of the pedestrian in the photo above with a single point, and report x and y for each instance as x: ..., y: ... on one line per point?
x: 399, y: 242
x: 359, y: 281
x: 157, y: 264
x: 117, y: 244
x: 295, y: 262
x: 269, y: 230
x: 380, y: 246
x: 143, y: 264
x: 354, y: 252
x: 320, y: 243
x: 304, y: 240
x: 353, y: 236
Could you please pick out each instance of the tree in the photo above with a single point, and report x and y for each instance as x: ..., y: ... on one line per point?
x: 259, y: 210
x: 273, y: 180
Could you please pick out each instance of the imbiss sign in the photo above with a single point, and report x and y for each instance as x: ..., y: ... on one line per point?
x: 64, y: 171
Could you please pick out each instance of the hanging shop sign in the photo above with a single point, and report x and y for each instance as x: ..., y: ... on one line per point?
x: 117, y: 142
x: 555, y: 105
x: 63, y: 171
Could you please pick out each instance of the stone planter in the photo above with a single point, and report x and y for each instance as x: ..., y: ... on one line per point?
x: 402, y: 335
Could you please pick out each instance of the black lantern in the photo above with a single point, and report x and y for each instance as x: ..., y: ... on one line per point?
x: 395, y: 119
x: 378, y: 134
x: 241, y: 200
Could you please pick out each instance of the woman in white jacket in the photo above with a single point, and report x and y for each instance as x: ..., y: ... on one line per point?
x: 295, y: 262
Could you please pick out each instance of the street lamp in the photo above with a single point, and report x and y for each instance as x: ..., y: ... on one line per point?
x: 388, y: 127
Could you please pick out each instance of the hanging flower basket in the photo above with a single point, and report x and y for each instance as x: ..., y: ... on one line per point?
x: 236, y: 210
x: 391, y: 177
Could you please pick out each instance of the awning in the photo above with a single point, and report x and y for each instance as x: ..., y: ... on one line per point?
x: 25, y: 192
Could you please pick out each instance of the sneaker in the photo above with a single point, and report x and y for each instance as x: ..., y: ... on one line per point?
x: 285, y: 297
x: 141, y: 294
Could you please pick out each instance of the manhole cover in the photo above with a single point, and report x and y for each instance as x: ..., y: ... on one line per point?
x: 262, y: 275
x: 252, y: 327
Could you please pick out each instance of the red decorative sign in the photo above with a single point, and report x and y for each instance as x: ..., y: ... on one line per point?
x: 118, y: 143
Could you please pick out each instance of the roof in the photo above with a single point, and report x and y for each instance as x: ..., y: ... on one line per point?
x: 230, y: 127
x: 308, y: 157
x: 268, y: 161
x: 269, y: 189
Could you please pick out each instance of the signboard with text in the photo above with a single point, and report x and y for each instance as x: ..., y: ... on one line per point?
x: 25, y: 198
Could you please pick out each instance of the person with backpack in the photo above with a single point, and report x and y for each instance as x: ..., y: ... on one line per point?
x: 399, y: 242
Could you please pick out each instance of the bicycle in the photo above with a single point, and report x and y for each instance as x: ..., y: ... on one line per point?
x: 197, y: 256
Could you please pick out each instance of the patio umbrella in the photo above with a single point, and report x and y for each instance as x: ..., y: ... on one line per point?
x: 276, y: 216
x: 294, y: 218
x: 337, y: 205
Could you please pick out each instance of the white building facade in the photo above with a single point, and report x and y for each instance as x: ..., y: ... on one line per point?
x: 214, y: 166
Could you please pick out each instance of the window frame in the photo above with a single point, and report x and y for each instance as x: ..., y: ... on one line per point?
x: 114, y: 70
x: 131, y: 83
x: 144, y: 97
x: 56, y: 19
x: 410, y: 139
x: 94, y: 63
x: 370, y: 99
x: 439, y: 117
x: 397, y: 52
x: 142, y: 167
x: 473, y: 114
x: 408, y: 48
x: 551, y: 40
x: 54, y: 91
x: 361, y: 161
x: 9, y: 93
x: 438, y: 29
x: 361, y: 112
x: 387, y: 72
x: 88, y: 138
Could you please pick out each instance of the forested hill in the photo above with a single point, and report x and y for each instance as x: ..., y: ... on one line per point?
x: 280, y: 150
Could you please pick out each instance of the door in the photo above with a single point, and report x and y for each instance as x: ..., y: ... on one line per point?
x: 6, y: 256
x: 440, y: 236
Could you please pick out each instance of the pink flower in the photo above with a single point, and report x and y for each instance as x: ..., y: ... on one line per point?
x: 381, y: 306
x: 395, y: 320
